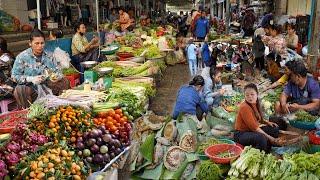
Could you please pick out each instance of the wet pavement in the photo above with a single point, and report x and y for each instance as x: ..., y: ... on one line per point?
x: 173, y: 78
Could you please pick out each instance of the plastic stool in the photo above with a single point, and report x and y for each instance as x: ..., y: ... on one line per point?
x: 4, y: 104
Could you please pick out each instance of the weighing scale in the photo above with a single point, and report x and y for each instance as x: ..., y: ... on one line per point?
x: 106, y: 74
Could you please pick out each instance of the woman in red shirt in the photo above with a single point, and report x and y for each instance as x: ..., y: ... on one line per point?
x: 251, y: 128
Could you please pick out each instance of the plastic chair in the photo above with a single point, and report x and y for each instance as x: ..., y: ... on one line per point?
x: 4, y: 104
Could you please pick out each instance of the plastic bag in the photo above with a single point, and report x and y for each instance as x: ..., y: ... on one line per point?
x: 43, y: 91
x: 62, y: 58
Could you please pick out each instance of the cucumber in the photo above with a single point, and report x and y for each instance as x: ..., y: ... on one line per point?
x: 4, y: 137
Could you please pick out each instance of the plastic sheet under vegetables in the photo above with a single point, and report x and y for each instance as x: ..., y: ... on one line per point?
x: 51, y: 101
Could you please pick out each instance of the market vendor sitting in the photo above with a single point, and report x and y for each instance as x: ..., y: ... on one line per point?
x: 251, y: 128
x: 301, y: 93
x: 189, y: 102
x: 6, y: 61
x: 81, y: 48
x: 212, y: 87
x: 124, y: 21
x: 29, y: 70
x: 284, y: 78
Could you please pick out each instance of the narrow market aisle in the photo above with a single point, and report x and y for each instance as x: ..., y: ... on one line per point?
x: 173, y: 77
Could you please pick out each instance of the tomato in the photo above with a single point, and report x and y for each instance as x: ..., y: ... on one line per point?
x: 113, y: 128
x: 118, y: 111
x: 102, y: 114
x: 117, y: 124
x: 109, y: 118
x: 117, y: 117
x: 109, y: 124
x: 111, y: 113
x: 125, y: 118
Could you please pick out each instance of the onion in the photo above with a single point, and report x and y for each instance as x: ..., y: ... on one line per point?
x: 94, y: 133
x: 80, y: 145
x: 95, y: 149
x: 98, y: 158
x: 99, y: 141
x: 107, y: 138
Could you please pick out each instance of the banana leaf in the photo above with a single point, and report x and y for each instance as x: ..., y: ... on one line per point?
x: 147, y: 148
x: 175, y: 174
x: 153, y: 173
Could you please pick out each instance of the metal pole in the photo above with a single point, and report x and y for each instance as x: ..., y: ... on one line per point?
x: 313, y: 46
x: 38, y: 14
x: 227, y: 16
x: 97, y: 14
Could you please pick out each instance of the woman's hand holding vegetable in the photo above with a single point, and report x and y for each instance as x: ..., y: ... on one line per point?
x: 294, y: 107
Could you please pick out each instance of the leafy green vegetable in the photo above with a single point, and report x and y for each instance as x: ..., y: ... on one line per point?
x: 208, y: 170
x: 69, y: 71
x: 305, y: 116
x: 147, y: 148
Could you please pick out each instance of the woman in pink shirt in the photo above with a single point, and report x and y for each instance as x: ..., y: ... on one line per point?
x: 276, y: 42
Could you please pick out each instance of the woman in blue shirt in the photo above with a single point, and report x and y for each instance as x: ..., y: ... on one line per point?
x: 189, y: 100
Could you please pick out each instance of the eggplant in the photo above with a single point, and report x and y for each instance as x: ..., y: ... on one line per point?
x: 94, y: 133
x: 80, y: 139
x: 99, y: 142
x: 89, y: 159
x: 86, y: 152
x: 107, y: 138
x: 103, y: 149
x: 106, y: 158
x: 116, y: 143
x: 98, y: 159
x: 99, y: 133
x: 118, y: 151
x: 95, y: 149
x: 80, y: 153
x: 112, y: 155
x: 91, y: 142
x: 86, y: 135
x: 80, y: 145
x: 103, y: 129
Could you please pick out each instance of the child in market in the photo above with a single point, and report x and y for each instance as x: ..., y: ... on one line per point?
x: 273, y: 68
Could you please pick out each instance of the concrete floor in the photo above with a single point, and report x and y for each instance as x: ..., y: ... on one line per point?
x: 164, y: 101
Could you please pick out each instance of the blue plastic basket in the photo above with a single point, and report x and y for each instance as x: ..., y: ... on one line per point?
x: 302, y: 125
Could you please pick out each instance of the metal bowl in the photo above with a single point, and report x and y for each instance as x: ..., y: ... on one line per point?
x: 105, y: 70
x: 88, y: 64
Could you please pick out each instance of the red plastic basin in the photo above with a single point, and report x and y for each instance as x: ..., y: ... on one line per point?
x: 213, y: 151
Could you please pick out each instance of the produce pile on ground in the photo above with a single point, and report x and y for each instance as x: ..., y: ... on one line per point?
x: 256, y: 164
x: 147, y: 69
x: 64, y: 143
